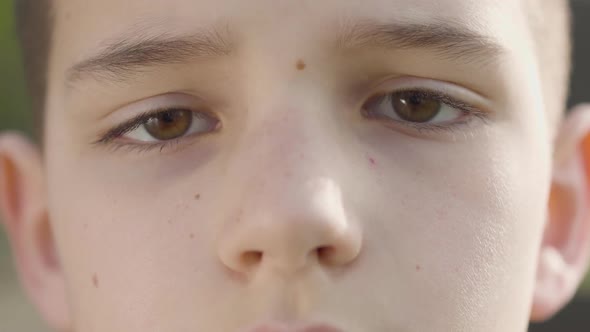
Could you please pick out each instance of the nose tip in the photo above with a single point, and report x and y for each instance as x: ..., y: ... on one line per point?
x: 289, y: 233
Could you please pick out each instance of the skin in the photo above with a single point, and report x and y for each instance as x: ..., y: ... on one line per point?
x: 298, y: 208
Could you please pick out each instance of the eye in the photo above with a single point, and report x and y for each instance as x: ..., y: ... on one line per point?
x: 169, y: 124
x: 415, y: 107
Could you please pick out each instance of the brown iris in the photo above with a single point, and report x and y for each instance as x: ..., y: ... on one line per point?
x: 415, y: 107
x: 170, y: 124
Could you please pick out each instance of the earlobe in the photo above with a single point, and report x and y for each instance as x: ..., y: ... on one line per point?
x: 23, y: 211
x: 565, y: 249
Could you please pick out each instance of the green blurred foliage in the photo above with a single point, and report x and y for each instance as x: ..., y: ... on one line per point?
x: 14, y: 107
x: 14, y: 111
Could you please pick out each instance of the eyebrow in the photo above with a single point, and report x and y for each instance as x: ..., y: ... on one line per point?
x: 136, y: 51
x: 448, y: 40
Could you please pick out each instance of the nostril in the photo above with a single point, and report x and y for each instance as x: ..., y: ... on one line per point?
x: 325, y: 254
x: 250, y: 258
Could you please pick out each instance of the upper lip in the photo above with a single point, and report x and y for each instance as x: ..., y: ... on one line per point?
x: 277, y: 327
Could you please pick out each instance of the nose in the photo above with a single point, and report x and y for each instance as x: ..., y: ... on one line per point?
x: 288, y: 212
x: 294, y: 214
x: 298, y: 227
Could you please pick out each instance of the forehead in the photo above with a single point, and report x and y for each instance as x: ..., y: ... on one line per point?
x: 96, y: 21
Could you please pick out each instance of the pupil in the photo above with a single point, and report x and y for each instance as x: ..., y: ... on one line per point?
x: 415, y: 100
x: 167, y: 117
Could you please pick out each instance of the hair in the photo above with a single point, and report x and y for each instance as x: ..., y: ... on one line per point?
x: 549, y: 21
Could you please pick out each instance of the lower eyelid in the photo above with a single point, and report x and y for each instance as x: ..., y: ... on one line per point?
x: 432, y: 130
x: 141, y: 148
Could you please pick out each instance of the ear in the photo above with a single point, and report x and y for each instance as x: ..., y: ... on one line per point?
x: 565, y: 248
x: 23, y: 211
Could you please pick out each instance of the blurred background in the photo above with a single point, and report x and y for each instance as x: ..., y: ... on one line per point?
x: 17, y: 315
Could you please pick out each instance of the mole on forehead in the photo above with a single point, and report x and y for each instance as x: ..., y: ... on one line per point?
x: 300, y: 65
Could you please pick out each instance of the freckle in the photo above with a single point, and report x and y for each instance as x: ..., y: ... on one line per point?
x: 300, y: 65
x: 192, y: 236
x: 418, y: 268
x: 95, y: 280
x: 198, y: 196
x: 170, y: 221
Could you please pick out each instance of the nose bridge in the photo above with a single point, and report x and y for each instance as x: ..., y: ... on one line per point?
x: 288, y: 132
x: 289, y: 156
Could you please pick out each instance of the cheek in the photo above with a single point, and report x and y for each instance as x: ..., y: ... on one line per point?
x: 463, y: 223
x: 131, y: 244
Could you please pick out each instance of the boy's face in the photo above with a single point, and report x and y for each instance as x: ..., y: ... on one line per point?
x: 377, y: 165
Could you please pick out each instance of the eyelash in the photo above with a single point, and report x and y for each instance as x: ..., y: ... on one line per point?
x: 469, y: 112
x: 110, y: 137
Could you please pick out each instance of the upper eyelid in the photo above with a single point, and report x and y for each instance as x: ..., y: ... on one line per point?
x: 445, y: 84
x: 137, y: 105
x: 435, y: 94
x: 443, y: 88
x: 159, y: 101
x: 447, y: 99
